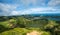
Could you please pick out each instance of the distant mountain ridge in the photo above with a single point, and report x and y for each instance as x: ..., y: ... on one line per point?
x: 48, y: 16
x: 38, y: 16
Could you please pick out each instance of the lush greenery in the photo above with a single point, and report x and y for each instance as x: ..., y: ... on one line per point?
x: 20, y: 25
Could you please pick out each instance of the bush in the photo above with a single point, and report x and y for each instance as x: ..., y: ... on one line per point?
x: 21, y: 31
x: 46, y: 33
x: 15, y: 31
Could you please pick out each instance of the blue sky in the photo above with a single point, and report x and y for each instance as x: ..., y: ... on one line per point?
x: 19, y: 7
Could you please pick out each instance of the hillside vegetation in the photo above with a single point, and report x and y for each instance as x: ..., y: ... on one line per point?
x: 21, y: 25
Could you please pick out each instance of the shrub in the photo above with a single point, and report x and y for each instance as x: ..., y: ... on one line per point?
x: 15, y: 31
x: 22, y: 31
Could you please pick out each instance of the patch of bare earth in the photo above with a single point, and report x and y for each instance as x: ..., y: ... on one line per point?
x: 34, y: 33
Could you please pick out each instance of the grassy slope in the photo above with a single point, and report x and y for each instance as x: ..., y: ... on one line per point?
x: 28, y: 23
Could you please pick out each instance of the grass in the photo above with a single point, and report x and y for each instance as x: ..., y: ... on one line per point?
x: 21, y: 31
x: 37, y: 25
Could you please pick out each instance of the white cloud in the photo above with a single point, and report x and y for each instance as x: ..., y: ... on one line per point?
x: 36, y: 11
x: 7, y: 8
x: 54, y: 3
x: 40, y: 10
x: 51, y: 3
x: 14, y: 13
x: 33, y: 2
